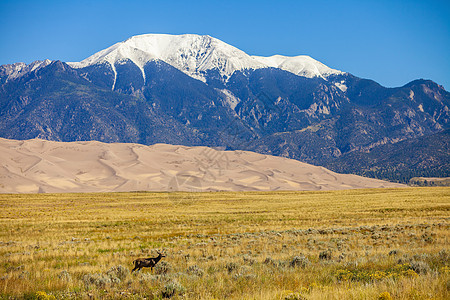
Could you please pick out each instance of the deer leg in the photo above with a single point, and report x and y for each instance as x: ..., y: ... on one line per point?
x: 136, y: 267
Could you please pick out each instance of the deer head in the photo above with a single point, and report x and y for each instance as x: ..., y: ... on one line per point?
x: 160, y: 254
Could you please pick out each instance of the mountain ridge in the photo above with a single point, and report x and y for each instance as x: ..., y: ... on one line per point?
x: 196, y: 54
x: 267, y: 110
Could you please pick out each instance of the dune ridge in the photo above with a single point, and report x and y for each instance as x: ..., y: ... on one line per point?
x: 40, y: 166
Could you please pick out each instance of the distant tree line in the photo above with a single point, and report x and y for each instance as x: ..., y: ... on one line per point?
x: 420, y: 181
x: 403, y: 176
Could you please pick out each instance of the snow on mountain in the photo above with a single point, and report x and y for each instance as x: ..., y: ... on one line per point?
x: 13, y: 71
x: 195, y: 54
x: 302, y: 65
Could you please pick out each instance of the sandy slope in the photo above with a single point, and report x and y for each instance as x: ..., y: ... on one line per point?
x: 43, y: 166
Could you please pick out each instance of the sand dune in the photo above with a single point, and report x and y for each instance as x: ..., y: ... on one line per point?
x: 39, y: 166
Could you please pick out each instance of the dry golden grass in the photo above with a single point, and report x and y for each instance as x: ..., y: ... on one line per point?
x: 354, y: 244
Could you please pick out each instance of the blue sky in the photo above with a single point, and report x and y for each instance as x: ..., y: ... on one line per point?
x: 391, y: 42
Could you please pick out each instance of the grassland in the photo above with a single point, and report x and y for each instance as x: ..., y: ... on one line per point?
x: 354, y: 244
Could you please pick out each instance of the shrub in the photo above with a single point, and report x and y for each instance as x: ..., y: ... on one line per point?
x: 409, y: 273
x: 163, y: 268
x: 294, y: 296
x: 171, y: 289
x: 118, y: 271
x: 40, y: 295
x: 420, y: 267
x: 64, y: 276
x: 231, y: 266
x: 385, y: 296
x: 270, y: 261
x: 249, y: 260
x: 299, y: 261
x: 325, y: 255
x: 195, y: 270
x: 443, y: 256
x: 99, y: 280
x: 394, y: 252
x: 145, y: 277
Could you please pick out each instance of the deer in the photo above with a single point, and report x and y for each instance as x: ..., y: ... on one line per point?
x: 147, y: 262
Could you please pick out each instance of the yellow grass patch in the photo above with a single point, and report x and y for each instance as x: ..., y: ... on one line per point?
x: 354, y: 244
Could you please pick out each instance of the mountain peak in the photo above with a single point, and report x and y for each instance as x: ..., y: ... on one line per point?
x: 301, y: 65
x: 196, y: 54
x: 13, y: 71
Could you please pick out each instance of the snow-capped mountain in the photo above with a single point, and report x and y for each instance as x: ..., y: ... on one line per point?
x: 196, y: 54
x: 199, y: 91
x: 301, y: 65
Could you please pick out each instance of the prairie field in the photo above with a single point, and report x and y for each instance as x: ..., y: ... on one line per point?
x: 351, y: 244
